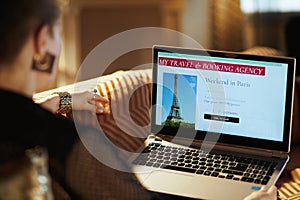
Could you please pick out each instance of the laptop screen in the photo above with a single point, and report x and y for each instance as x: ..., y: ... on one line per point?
x: 244, y: 99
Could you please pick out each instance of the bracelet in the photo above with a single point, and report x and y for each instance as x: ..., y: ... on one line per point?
x: 65, y: 103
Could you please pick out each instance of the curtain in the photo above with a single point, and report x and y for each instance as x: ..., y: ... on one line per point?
x: 227, y: 25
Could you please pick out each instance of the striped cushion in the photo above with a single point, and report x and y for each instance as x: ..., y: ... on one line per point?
x: 291, y: 190
x: 127, y: 124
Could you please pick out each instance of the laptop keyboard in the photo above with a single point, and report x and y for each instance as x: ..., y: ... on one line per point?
x: 213, y: 164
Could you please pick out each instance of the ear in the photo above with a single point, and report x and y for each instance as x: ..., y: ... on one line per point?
x: 41, y: 39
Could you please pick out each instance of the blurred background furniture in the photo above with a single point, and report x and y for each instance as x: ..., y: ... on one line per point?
x: 292, y: 39
x: 234, y: 25
x: 87, y: 23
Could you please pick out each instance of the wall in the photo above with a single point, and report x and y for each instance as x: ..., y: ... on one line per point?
x: 196, y: 21
x: 87, y: 23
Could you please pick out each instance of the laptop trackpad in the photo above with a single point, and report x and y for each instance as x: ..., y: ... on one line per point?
x: 166, y: 181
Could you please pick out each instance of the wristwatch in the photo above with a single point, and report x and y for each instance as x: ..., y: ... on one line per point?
x: 65, y: 103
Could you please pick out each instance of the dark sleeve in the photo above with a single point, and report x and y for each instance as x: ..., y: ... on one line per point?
x: 96, y: 171
x: 60, y: 137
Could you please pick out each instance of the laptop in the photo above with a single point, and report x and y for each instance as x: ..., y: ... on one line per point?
x: 220, y: 123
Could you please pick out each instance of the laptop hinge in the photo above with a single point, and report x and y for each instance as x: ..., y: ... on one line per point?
x: 273, y: 154
x: 278, y: 154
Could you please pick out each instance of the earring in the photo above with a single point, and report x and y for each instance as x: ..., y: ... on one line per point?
x: 43, y: 64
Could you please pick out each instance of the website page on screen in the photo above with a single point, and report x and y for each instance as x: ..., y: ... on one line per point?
x: 226, y: 95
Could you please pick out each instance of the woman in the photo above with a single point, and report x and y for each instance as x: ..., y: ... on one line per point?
x: 30, y: 48
x: 30, y: 35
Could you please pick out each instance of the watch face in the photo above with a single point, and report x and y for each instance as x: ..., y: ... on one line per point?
x: 65, y: 104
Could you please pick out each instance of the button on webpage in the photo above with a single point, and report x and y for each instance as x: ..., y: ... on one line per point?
x: 222, y: 118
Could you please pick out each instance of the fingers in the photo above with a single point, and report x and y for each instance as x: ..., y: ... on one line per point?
x: 98, y: 108
x: 96, y: 97
x: 265, y: 193
x: 98, y: 102
x: 101, y: 99
x: 90, y: 102
x: 272, y: 191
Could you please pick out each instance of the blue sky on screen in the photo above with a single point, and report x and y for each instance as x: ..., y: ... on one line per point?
x: 187, y: 87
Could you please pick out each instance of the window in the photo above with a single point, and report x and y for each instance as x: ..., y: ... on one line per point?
x: 254, y: 6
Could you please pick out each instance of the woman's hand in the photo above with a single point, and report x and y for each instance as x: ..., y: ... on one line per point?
x: 90, y: 102
x: 87, y: 101
x: 265, y: 193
